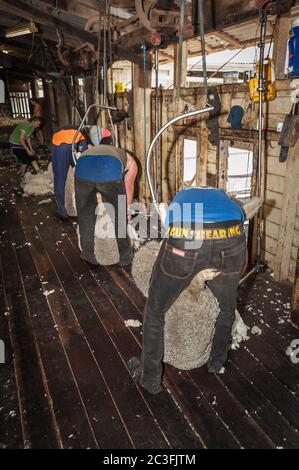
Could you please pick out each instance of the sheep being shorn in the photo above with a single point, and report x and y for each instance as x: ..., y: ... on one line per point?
x: 190, y: 322
x: 106, y: 248
x: 105, y: 244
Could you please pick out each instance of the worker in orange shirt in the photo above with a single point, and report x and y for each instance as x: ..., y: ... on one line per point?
x: 61, y: 161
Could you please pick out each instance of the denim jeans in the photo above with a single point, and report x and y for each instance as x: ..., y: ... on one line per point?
x: 173, y: 271
x: 86, y: 203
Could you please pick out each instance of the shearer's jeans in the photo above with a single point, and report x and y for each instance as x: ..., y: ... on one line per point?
x: 86, y: 203
x: 172, y: 273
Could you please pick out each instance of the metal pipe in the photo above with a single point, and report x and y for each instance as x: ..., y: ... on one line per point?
x: 261, y: 79
x: 110, y: 53
x: 82, y: 124
x: 149, y: 153
x: 263, y: 20
x: 105, y: 60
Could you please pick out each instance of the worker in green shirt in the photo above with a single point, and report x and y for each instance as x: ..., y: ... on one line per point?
x: 20, y: 143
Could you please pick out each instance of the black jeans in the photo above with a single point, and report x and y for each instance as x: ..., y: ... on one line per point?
x: 173, y: 271
x: 86, y: 203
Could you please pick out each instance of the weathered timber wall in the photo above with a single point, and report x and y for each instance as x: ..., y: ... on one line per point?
x: 208, y: 163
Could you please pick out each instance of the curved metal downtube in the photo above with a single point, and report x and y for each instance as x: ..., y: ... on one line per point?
x: 149, y: 152
x: 109, y: 108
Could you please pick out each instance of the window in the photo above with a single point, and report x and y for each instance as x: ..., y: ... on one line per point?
x: 239, y: 172
x: 20, y: 104
x: 189, y: 155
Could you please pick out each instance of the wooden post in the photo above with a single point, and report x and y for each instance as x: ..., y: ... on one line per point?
x: 295, y: 302
x: 202, y: 157
x: 62, y: 105
x: 176, y: 105
x: 183, y: 65
x: 281, y: 37
x: 222, y: 168
x: 142, y: 130
x: 49, y: 107
x: 288, y: 214
x: 89, y: 93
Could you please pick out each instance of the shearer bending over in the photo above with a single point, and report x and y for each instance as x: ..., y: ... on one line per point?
x: 110, y: 171
x: 218, y: 227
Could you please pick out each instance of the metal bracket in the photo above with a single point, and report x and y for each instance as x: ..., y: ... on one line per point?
x: 109, y: 108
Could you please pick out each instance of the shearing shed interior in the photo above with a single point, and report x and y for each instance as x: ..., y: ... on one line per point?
x: 185, y: 97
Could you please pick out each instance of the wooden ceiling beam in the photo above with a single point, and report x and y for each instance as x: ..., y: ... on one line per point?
x: 24, y: 10
x: 166, y: 56
x: 227, y: 38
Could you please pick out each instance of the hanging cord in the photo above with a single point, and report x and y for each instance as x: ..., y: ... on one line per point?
x: 203, y: 46
x: 181, y: 39
x: 110, y: 53
x: 220, y: 68
x: 98, y: 59
x: 105, y: 57
x: 97, y: 95
x: 143, y: 48
x: 157, y: 119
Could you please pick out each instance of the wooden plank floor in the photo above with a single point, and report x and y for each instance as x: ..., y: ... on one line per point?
x: 65, y: 382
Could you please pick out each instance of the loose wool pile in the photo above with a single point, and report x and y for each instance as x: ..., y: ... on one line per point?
x: 190, y: 322
x: 39, y: 184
